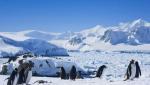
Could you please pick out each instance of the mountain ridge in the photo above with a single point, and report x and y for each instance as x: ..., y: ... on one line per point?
x: 132, y: 34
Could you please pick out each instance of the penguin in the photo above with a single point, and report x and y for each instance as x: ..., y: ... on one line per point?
x: 138, y: 70
x: 23, y: 68
x: 28, y: 75
x: 100, y: 71
x: 79, y: 75
x: 129, y: 70
x: 11, y: 59
x: 63, y: 74
x: 28, y: 72
x: 133, y: 71
x: 73, y: 73
x: 21, y: 79
x: 13, y: 79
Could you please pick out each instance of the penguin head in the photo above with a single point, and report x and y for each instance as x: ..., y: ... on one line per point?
x: 20, y: 61
x: 16, y: 69
x: 136, y: 63
x: 31, y: 63
x: 104, y: 66
x: 132, y: 61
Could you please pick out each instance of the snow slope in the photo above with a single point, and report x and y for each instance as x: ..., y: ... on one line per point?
x: 127, y: 35
x: 11, y: 47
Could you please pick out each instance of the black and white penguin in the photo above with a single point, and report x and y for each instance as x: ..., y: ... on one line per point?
x: 100, y: 71
x: 73, y: 73
x: 28, y: 72
x: 133, y: 71
x: 13, y: 79
x: 138, y: 70
x: 63, y: 74
x: 28, y: 75
x: 24, y: 71
x: 21, y: 78
x: 130, y: 73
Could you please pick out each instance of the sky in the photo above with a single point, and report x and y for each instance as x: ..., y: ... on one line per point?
x: 69, y: 15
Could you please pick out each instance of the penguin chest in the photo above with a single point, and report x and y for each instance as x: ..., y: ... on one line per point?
x: 16, y: 79
x: 133, y: 71
x: 29, y: 75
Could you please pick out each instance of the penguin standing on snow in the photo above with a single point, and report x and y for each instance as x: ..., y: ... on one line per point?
x: 138, y: 70
x: 131, y: 70
x: 100, y: 71
x: 13, y: 79
x: 24, y: 71
x: 63, y: 73
x: 21, y: 70
x: 73, y: 73
x: 28, y: 73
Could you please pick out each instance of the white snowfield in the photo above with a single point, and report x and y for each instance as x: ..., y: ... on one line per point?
x: 87, y: 81
x: 90, y: 61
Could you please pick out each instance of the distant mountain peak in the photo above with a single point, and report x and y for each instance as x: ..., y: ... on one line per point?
x: 137, y: 23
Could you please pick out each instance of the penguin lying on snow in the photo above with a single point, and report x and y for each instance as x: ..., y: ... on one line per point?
x: 79, y: 75
x: 41, y: 82
x: 100, y: 71
x: 11, y: 59
x: 13, y: 79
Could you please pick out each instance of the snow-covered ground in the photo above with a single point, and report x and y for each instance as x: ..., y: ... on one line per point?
x: 114, y: 74
x: 87, y: 81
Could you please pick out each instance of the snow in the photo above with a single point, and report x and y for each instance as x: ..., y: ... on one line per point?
x: 90, y: 61
x: 6, y: 49
x: 95, y: 31
x: 95, y: 81
x: 11, y: 47
x: 46, y: 66
x: 127, y: 35
x: 18, y: 36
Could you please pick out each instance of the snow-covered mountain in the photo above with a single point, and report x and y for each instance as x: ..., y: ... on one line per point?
x: 134, y: 33
x: 125, y: 36
x: 9, y: 47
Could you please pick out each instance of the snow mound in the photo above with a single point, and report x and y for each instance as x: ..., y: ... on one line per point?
x: 46, y: 66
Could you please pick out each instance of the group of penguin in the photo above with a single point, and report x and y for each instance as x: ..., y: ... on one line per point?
x: 133, y: 71
x: 72, y: 75
x: 77, y: 74
x: 22, y: 74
